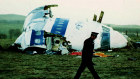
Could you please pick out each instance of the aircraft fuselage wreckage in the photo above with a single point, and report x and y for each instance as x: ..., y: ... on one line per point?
x: 41, y: 31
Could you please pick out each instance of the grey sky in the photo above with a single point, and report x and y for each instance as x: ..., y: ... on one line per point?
x: 116, y: 11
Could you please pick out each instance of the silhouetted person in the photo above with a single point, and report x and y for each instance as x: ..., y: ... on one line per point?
x: 87, y: 54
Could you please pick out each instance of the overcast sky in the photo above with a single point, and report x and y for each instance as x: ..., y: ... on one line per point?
x: 116, y: 11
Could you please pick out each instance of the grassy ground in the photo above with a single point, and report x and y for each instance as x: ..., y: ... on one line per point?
x: 16, y: 65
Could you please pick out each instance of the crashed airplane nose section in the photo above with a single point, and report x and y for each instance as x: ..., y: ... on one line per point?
x: 61, y: 34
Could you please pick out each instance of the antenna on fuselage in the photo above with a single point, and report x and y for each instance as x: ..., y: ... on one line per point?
x: 101, y: 17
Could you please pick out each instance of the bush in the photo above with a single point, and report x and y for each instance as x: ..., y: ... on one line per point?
x: 3, y: 36
x: 14, y: 33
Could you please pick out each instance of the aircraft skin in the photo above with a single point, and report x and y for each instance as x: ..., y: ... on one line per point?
x: 37, y: 24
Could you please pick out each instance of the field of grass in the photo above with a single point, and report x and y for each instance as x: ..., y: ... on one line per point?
x: 17, y: 65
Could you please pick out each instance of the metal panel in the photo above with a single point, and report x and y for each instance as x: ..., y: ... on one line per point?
x: 60, y: 26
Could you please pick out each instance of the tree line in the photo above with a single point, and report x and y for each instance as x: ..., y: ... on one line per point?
x: 13, y: 33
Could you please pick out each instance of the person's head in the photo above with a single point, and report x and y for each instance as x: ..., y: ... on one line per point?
x: 93, y: 35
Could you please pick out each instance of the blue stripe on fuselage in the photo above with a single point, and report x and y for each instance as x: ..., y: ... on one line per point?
x: 105, y: 41
x: 60, y: 26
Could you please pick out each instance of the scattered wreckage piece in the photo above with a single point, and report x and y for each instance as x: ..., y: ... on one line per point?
x: 97, y: 54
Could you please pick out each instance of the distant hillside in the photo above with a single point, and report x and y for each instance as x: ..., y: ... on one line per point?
x: 11, y: 17
x: 122, y: 28
x: 11, y: 22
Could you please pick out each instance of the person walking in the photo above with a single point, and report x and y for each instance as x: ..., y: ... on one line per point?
x: 87, y: 54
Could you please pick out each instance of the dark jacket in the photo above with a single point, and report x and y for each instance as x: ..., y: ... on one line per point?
x: 87, y: 51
